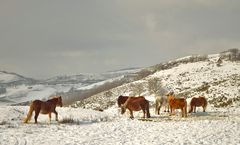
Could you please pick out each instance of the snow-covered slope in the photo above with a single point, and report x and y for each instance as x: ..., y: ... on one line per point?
x: 188, y: 77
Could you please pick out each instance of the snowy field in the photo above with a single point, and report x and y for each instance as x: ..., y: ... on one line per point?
x: 216, y: 126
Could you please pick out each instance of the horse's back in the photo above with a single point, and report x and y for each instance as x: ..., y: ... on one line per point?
x: 162, y: 100
x: 135, y: 103
x: 198, y: 101
x: 36, y: 103
x: 177, y: 102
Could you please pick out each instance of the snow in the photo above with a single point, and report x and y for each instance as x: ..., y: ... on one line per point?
x: 6, y: 78
x: 109, y: 127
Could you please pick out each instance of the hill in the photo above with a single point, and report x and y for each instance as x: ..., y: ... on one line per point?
x: 196, y: 75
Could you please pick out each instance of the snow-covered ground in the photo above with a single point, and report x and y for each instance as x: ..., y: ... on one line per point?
x: 216, y: 126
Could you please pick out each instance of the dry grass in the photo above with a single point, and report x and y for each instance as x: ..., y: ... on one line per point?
x: 69, y: 120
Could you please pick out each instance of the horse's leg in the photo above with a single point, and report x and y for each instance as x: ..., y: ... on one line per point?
x: 171, y: 109
x: 50, y: 116
x: 185, y: 110
x: 144, y: 112
x: 204, y: 108
x: 182, y: 110
x: 167, y: 107
x: 56, y: 114
x: 157, y: 108
x: 131, y: 114
x: 37, y: 111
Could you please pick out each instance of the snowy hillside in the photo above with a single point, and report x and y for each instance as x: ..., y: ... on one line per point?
x: 189, y: 76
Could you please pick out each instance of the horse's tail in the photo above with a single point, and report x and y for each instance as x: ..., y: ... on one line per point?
x: 29, y: 115
x: 147, y: 109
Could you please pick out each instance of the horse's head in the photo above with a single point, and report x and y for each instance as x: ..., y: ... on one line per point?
x: 120, y: 101
x: 170, y: 97
x: 59, y: 101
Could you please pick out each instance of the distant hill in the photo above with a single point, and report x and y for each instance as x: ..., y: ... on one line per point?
x: 13, y: 79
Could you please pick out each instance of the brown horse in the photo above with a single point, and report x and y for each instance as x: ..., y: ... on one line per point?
x: 44, y: 107
x: 197, y: 102
x: 134, y: 104
x: 178, y: 103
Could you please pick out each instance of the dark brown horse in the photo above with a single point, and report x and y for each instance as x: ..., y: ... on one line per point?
x: 178, y: 103
x: 134, y: 104
x: 44, y: 107
x: 197, y: 102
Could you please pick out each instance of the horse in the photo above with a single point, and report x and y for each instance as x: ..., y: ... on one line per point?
x: 161, y: 101
x: 178, y: 103
x: 44, y: 107
x: 197, y: 102
x: 134, y: 104
x: 122, y: 99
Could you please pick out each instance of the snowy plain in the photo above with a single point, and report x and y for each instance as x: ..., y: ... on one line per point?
x: 216, y: 126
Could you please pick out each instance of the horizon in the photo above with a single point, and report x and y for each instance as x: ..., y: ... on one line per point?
x: 43, y: 39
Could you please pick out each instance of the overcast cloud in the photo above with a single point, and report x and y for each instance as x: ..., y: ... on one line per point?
x: 45, y: 38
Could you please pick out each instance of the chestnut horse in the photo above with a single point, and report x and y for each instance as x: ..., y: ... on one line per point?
x: 161, y: 101
x: 134, y: 104
x: 178, y: 103
x: 197, y: 102
x: 44, y: 107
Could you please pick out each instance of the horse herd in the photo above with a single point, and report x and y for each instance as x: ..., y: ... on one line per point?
x: 125, y: 102
x: 168, y: 101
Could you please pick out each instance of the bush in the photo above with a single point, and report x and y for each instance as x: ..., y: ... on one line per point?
x: 69, y: 120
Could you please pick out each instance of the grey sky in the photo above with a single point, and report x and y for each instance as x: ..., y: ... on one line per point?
x: 45, y: 38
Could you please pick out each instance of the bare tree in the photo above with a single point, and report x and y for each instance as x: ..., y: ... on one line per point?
x: 154, y: 86
x: 137, y: 88
x: 234, y: 54
x: 108, y: 94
